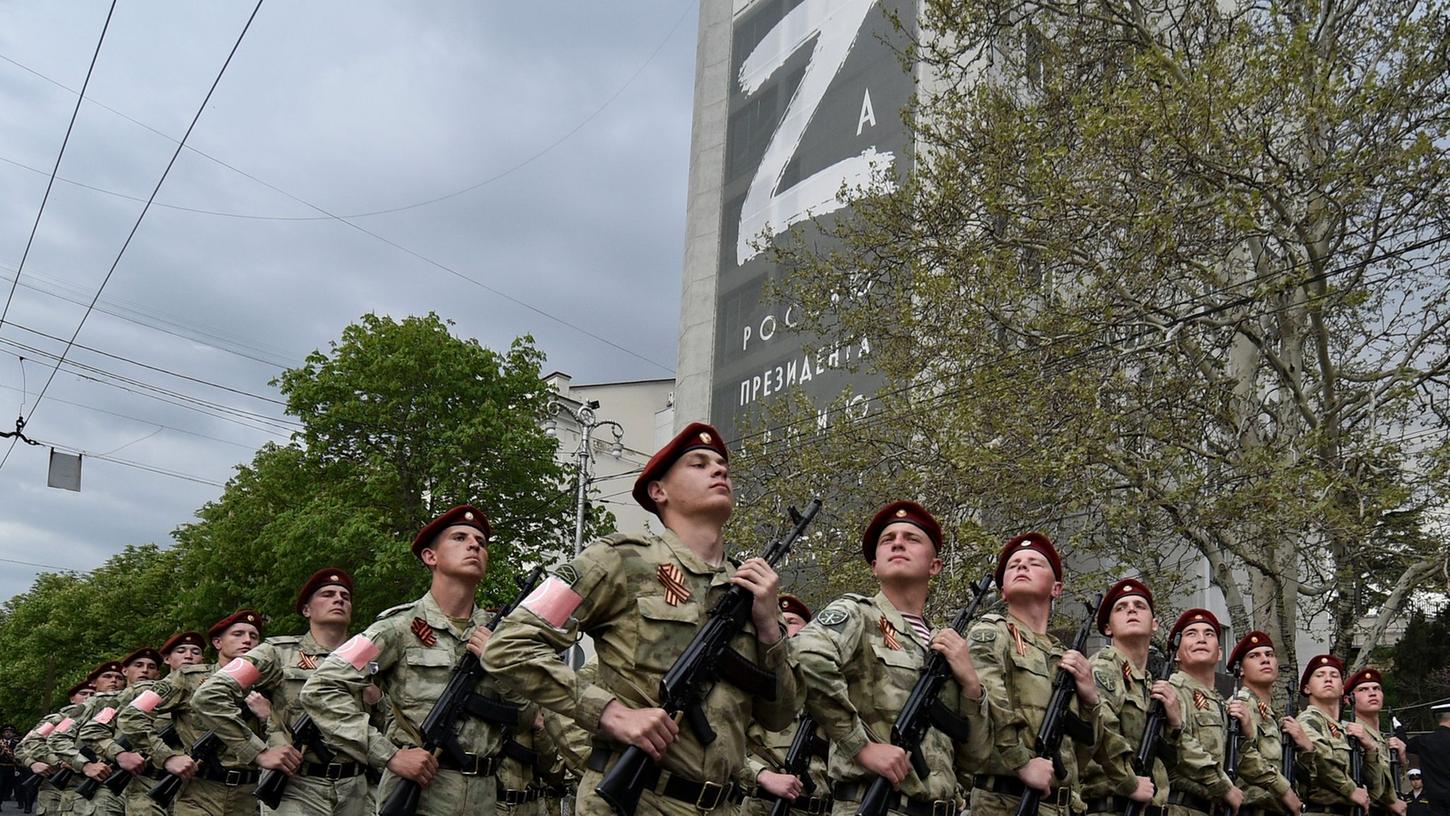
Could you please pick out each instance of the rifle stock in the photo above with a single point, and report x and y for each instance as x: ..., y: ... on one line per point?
x: 204, y: 750
x: 1289, y: 749
x: 798, y: 762
x: 1153, y: 729
x: 1356, y: 753
x: 273, y: 783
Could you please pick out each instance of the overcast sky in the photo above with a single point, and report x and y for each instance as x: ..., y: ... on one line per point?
x: 540, y: 149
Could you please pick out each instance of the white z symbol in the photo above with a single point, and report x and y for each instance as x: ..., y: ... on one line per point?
x: 834, y: 25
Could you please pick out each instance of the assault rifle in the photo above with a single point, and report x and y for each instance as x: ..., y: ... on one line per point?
x: 204, y: 750
x: 88, y: 786
x: 803, y: 746
x: 1153, y: 729
x: 116, y: 783
x: 1399, y: 732
x: 923, y: 710
x: 305, y: 735
x: 1356, y: 753
x: 1290, y: 748
x: 1054, y: 719
x: 440, y: 728
x: 695, y: 672
x: 1231, y: 752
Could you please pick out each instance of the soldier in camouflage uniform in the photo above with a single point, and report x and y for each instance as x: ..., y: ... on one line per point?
x: 277, y: 669
x: 98, y: 727
x: 1018, y: 660
x: 1323, y: 772
x: 764, y: 766
x: 1127, y: 689
x: 219, y: 788
x: 34, y: 750
x: 1197, y: 780
x: 1365, y: 689
x: 80, y: 754
x: 642, y: 597
x: 862, y: 656
x: 410, y: 651
x: 1266, y: 789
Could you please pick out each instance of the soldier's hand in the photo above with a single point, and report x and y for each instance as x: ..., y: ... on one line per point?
x: 1360, y: 797
x: 1037, y: 773
x: 1357, y: 731
x: 259, y: 705
x: 415, y: 764
x: 1164, y: 692
x: 1234, y: 799
x: 1399, y: 807
x: 885, y: 760
x: 759, y: 577
x: 282, y: 758
x: 1144, y: 792
x: 1398, y: 746
x: 478, y: 638
x: 39, y: 767
x: 183, y: 766
x: 372, y: 695
x: 1239, y: 711
x: 1081, y: 670
x: 951, y: 645
x: 96, y: 770
x: 1291, y: 726
x: 130, y: 761
x: 650, y: 729
x: 786, y: 786
x: 1292, y: 803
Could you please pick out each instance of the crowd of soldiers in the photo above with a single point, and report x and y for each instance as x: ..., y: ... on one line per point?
x: 347, y: 725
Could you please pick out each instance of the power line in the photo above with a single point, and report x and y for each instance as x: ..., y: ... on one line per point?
x: 175, y: 154
x: 99, y: 410
x: 80, y: 97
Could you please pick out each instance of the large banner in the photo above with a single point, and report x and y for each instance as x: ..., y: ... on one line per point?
x: 817, y: 90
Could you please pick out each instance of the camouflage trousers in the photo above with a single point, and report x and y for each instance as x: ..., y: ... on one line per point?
x: 316, y: 796
x: 588, y: 803
x: 47, y: 801
x: 104, y: 803
x: 137, y: 802
x: 451, y: 793
x: 987, y: 803
x: 203, y: 797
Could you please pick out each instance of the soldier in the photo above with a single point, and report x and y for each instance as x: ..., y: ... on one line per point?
x: 34, y: 749
x: 66, y: 745
x: 530, y: 767
x: 1126, y: 689
x: 642, y: 597
x: 1197, y: 781
x: 411, y: 650
x: 181, y: 649
x: 1324, y: 780
x: 97, y: 729
x: 764, y: 766
x: 222, y: 786
x: 1367, y: 696
x: 1266, y: 789
x: 277, y: 669
x: 1017, y: 659
x: 860, y: 659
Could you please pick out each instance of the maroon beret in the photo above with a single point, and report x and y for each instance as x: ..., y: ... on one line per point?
x: 1192, y: 616
x: 695, y: 435
x: 325, y: 577
x: 1316, y: 663
x: 1029, y: 541
x: 1253, y: 640
x: 182, y: 639
x: 790, y: 603
x: 907, y: 511
x: 1368, y: 674
x: 464, y: 514
x: 108, y: 666
x: 1122, y: 589
x: 248, y: 616
x: 78, y: 688
x: 143, y: 652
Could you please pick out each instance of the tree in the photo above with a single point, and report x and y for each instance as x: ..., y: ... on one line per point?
x: 1167, y: 281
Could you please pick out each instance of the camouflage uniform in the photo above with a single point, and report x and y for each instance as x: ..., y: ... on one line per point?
x: 282, y: 665
x: 1197, y: 779
x: 220, y: 789
x: 67, y: 747
x: 1262, y: 778
x: 33, y: 749
x: 768, y: 750
x: 410, y: 652
x: 1377, y: 779
x: 569, y: 740
x: 1125, y: 696
x: 1323, y: 774
x: 101, y: 732
x: 528, y: 772
x: 1017, y: 667
x: 642, y: 598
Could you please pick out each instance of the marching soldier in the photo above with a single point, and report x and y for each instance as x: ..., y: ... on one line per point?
x: 34, y: 749
x: 1126, y: 689
x: 1017, y: 659
x: 1266, y: 789
x: 410, y: 651
x: 68, y: 747
x: 1326, y: 786
x: 764, y: 771
x: 217, y: 788
x: 181, y: 649
x: 1366, y: 693
x: 277, y: 669
x: 98, y: 727
x: 1197, y: 780
x: 642, y: 597
x: 862, y: 656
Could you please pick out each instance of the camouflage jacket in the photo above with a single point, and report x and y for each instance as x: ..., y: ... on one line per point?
x: 1324, y: 772
x: 1377, y: 770
x: 1262, y: 779
x: 767, y: 753
x: 141, y: 722
x: 35, y: 746
x: 66, y: 745
x: 1199, y: 770
x: 641, y: 598
x: 410, y: 652
x: 99, y: 731
x: 1125, y: 696
x: 568, y: 738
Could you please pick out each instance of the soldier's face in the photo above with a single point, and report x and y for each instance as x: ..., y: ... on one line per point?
x: 1369, y: 698
x: 1199, y: 645
x: 905, y: 551
x: 237, y: 640
x: 1029, y: 575
x: 793, y: 623
x: 1325, y: 683
x: 1131, y: 617
x: 460, y: 551
x: 110, y: 681
x: 186, y: 654
x: 331, y: 604
x: 82, y: 695
x: 1261, y: 666
x: 142, y: 668
x: 697, y: 484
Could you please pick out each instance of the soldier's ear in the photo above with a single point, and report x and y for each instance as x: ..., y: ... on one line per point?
x: 1056, y: 589
x: 936, y: 567
x: 656, y: 491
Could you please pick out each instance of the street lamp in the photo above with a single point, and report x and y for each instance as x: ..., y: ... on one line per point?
x: 588, y: 421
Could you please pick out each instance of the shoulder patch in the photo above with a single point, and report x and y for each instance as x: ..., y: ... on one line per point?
x: 984, y: 634
x: 1105, y: 681
x: 832, y: 615
x: 567, y: 573
x: 393, y: 610
x: 162, y: 688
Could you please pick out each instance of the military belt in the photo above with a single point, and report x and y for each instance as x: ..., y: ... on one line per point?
x: 1190, y: 801
x: 1337, y: 810
x: 814, y: 805
x: 705, y: 796
x: 470, y: 764
x: 331, y: 770
x: 1119, y: 804
x: 231, y: 777
x: 854, y: 792
x: 511, y: 797
x: 1012, y: 786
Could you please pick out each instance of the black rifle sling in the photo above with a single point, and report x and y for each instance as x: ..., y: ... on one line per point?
x: 492, y: 710
x: 742, y: 673
x: 949, y: 722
